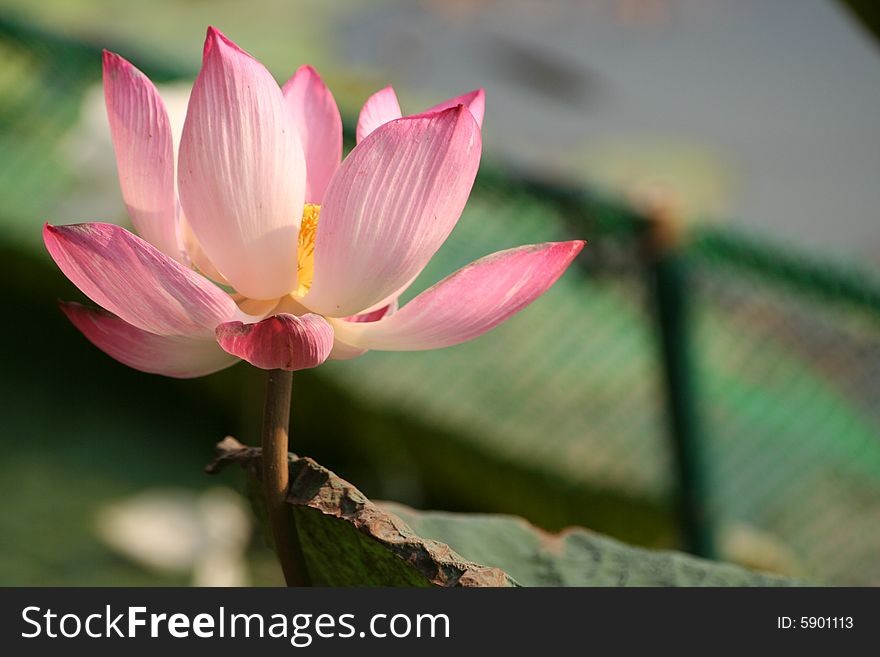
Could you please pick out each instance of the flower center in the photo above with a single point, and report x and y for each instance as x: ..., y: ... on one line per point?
x: 305, y: 254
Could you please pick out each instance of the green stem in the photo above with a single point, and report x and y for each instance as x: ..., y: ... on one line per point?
x: 276, y: 477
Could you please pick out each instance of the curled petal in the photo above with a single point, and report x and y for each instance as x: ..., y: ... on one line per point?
x: 175, y: 356
x: 468, y: 303
x: 132, y: 279
x: 389, y: 207
x: 282, y: 341
x: 144, y: 148
x: 320, y: 128
x: 242, y: 172
x: 379, y: 109
x: 474, y: 100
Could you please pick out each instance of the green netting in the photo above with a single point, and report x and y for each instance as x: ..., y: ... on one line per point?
x: 570, y: 396
x: 790, y: 401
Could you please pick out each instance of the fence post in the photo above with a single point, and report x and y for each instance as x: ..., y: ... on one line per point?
x: 668, y: 286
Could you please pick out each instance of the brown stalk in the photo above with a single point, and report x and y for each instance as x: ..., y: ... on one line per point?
x: 276, y: 478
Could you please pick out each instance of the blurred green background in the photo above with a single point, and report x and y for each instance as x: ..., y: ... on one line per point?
x: 721, y: 396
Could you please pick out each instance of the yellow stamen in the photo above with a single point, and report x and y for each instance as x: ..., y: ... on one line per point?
x: 305, y: 254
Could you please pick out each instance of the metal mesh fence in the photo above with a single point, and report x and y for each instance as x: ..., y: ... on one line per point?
x: 785, y: 360
x: 788, y: 375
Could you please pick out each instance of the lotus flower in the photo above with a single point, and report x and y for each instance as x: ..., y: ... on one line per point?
x: 257, y: 242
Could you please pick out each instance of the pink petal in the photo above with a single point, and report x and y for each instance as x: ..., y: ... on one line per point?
x: 176, y: 356
x: 197, y: 258
x: 475, y: 101
x: 342, y: 351
x: 132, y: 279
x: 242, y: 171
x: 144, y: 153
x: 379, y: 109
x: 320, y: 128
x: 375, y: 315
x: 391, y: 298
x: 282, y: 341
x: 468, y: 303
x: 389, y: 207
